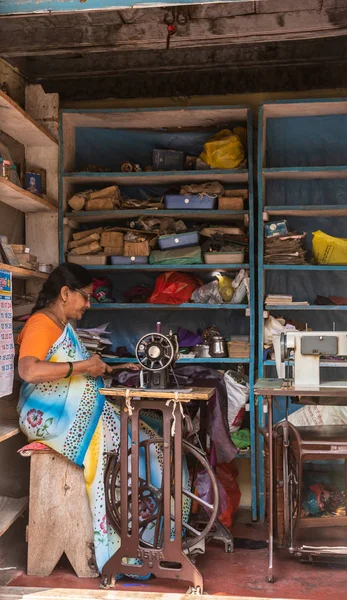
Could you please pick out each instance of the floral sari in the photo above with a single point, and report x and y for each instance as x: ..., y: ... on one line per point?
x: 72, y: 418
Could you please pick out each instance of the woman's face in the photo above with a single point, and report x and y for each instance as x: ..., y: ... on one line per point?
x: 78, y: 302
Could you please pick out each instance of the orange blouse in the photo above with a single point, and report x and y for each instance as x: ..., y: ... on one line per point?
x: 38, y: 336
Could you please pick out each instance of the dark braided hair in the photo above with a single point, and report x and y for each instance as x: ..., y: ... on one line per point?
x: 73, y: 276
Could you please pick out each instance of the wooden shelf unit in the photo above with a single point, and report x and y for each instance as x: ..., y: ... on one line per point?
x: 41, y: 225
x: 298, y: 132
x: 158, y: 121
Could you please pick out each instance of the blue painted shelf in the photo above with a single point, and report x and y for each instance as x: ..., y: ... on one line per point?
x: 323, y: 210
x: 331, y: 172
x: 185, y: 306
x: 117, y: 360
x: 323, y: 363
x: 113, y: 215
x: 139, y: 267
x: 305, y: 267
x: 157, y: 177
x: 310, y: 307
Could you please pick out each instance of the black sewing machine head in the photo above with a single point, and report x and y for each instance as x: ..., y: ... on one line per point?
x: 156, y: 354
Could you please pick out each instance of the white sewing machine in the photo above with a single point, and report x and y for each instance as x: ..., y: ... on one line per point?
x: 308, y: 347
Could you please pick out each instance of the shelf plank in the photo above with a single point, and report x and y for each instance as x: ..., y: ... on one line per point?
x: 138, y: 267
x: 307, y: 211
x: 117, y: 360
x: 23, y: 200
x: 305, y: 267
x: 323, y: 363
x: 158, y: 177
x: 312, y: 522
x: 8, y: 429
x: 339, y: 172
x: 20, y: 273
x: 184, y: 306
x: 20, y: 126
x: 97, y: 216
x: 10, y: 510
x: 314, y: 307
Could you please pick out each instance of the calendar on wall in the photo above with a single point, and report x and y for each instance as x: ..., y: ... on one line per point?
x: 6, y: 335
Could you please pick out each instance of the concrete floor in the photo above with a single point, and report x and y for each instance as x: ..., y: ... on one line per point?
x: 239, y: 574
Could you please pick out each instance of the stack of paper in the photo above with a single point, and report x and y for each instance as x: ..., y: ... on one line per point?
x: 95, y: 339
x: 282, y: 300
x: 285, y: 249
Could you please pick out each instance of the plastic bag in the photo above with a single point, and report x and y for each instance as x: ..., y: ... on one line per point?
x: 174, y: 288
x: 207, y: 294
x: 178, y: 256
x: 225, y: 287
x: 228, y: 488
x: 329, y: 250
x: 223, y: 151
x: 238, y: 394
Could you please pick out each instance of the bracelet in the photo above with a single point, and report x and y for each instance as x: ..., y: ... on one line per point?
x: 69, y: 373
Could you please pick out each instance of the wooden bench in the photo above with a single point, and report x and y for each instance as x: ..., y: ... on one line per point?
x: 60, y: 519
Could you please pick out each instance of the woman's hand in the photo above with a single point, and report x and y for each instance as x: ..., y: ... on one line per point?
x: 94, y: 366
x: 131, y: 366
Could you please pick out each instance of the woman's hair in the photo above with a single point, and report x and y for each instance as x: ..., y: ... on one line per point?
x: 73, y: 276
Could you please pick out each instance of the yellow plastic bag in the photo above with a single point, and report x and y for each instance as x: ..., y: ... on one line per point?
x: 225, y: 287
x: 223, y: 151
x: 329, y: 250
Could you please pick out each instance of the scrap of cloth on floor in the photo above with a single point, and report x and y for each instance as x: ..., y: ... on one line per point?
x: 74, y: 419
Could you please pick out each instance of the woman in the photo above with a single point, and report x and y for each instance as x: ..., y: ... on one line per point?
x: 60, y: 404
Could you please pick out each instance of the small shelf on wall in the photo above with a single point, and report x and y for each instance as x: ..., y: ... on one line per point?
x: 279, y: 307
x: 8, y: 429
x: 21, y: 273
x: 305, y: 267
x: 20, y: 126
x: 10, y: 510
x: 97, y: 216
x: 157, y: 177
x: 334, y: 210
x: 323, y: 363
x: 185, y: 306
x: 339, y: 172
x: 154, y: 268
x: 22, y: 200
x: 181, y: 361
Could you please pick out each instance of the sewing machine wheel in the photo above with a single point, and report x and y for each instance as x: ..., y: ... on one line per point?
x: 151, y: 498
x: 155, y: 351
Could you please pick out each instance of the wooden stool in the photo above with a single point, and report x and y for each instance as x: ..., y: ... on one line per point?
x: 60, y: 519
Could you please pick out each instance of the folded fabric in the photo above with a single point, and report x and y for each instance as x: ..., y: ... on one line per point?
x: 179, y: 256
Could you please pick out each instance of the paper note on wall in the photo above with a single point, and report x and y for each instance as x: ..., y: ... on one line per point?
x: 6, y: 335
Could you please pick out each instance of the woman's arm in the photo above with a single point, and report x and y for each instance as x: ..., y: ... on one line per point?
x: 33, y: 370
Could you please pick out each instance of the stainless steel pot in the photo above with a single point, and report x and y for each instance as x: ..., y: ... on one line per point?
x: 202, y: 351
x: 218, y: 347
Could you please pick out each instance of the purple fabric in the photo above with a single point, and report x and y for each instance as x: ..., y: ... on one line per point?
x: 188, y: 338
x: 217, y: 422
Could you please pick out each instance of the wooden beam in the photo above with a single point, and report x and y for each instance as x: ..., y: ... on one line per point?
x: 33, y: 40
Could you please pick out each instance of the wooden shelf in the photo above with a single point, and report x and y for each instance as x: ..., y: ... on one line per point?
x: 305, y: 267
x: 8, y: 429
x: 323, y: 363
x: 20, y: 126
x: 307, y: 211
x: 20, y: 273
x: 185, y: 306
x: 23, y: 200
x: 314, y: 307
x: 10, y: 510
x: 306, y: 173
x: 154, y: 268
x: 96, y: 216
x: 311, y: 522
x: 158, y: 177
x: 117, y: 360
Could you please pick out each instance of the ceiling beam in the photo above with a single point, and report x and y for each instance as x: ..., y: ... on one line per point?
x: 32, y: 39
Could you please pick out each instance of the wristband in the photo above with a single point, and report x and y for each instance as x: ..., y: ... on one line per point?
x: 69, y: 373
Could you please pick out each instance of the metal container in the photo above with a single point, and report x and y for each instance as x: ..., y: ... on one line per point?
x: 202, y: 351
x: 218, y: 347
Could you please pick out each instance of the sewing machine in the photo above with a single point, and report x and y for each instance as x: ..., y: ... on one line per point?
x: 308, y: 347
x: 157, y: 353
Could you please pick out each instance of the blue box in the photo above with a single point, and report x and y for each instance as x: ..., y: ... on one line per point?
x: 129, y: 260
x: 178, y: 240
x: 275, y: 228
x: 190, y: 201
